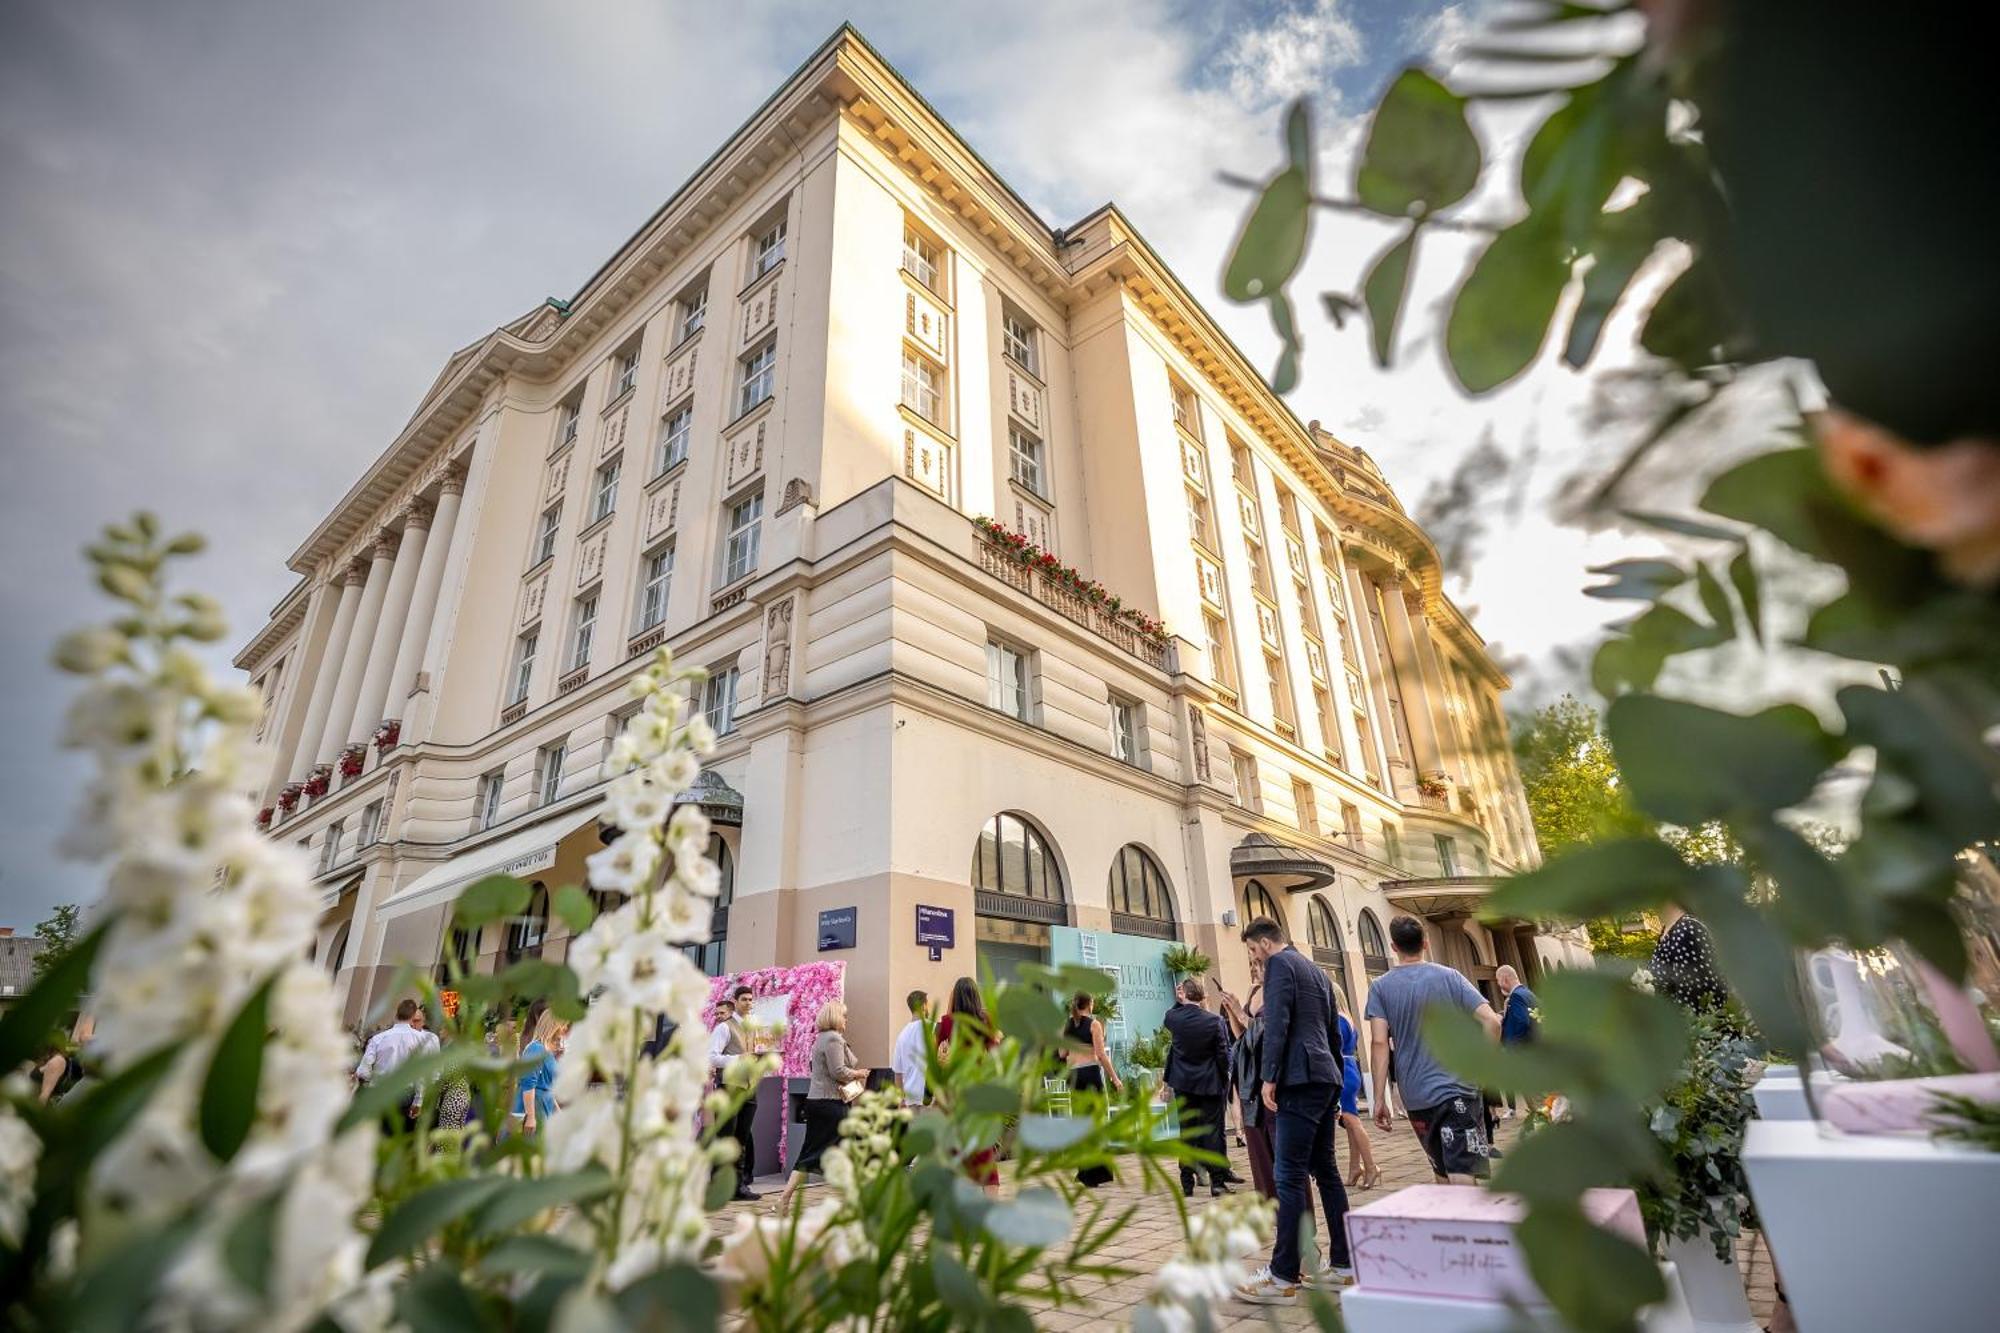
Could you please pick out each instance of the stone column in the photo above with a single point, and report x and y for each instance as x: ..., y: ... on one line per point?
x: 1374, y: 672
x: 306, y: 751
x: 369, y: 706
x: 424, y: 598
x: 1438, y: 693
x: 347, y: 690
x: 1410, y: 680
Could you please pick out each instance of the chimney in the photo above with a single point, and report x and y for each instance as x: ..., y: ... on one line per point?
x: 6, y: 932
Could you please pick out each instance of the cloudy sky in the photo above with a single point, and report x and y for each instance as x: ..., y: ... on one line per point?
x: 237, y: 241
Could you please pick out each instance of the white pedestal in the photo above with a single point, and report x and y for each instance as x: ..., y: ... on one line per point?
x: 1877, y: 1232
x: 1394, y: 1312
x: 1712, y: 1287
x: 1781, y: 1095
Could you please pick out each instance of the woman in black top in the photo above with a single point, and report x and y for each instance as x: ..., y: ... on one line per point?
x: 1089, y: 1063
x: 1683, y: 964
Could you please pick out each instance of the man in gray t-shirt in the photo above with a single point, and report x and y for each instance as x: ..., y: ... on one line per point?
x: 1444, y: 1109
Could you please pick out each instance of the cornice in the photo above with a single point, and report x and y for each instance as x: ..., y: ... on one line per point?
x: 285, y: 617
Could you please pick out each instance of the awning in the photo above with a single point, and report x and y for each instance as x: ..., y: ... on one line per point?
x: 1277, y: 865
x: 330, y: 896
x: 521, y: 853
x: 1445, y: 895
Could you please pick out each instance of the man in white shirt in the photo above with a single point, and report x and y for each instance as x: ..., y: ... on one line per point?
x: 392, y: 1046
x: 910, y: 1059
x: 726, y: 1041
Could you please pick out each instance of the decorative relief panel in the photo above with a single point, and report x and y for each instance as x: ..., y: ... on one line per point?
x: 1247, y: 506
x: 1208, y: 575
x: 613, y: 433
x: 1024, y: 398
x: 679, y: 379
x: 1191, y: 465
x: 1267, y: 625
x: 1316, y: 660
x: 663, y: 509
x: 925, y: 322
x: 760, y: 313
x: 531, y: 601
x: 556, y: 478
x: 1198, y: 737
x: 744, y: 453
x: 927, y: 462
x: 778, y: 649
x: 590, y: 560
x: 1295, y: 554
x: 1032, y: 522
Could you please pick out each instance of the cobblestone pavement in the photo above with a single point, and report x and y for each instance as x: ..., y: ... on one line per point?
x: 1154, y: 1236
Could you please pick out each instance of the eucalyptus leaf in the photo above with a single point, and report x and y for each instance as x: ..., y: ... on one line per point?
x: 1919, y: 737
x: 1596, y: 879
x: 29, y: 1021
x: 1053, y: 1133
x: 1273, y: 240
x: 956, y: 1285
x: 495, y: 898
x: 1501, y: 315
x: 1623, y: 242
x: 991, y: 1098
x: 1637, y: 579
x: 1688, y: 764
x: 1686, y: 527
x: 1421, y: 154
x: 1743, y: 576
x: 531, y: 1253
x: 1714, y: 600
x: 428, y: 1211
x: 1285, y: 377
x: 523, y: 1199
x: 1387, y: 283
x: 1594, y: 1279
x: 249, y: 1242
x: 574, y: 908
x: 434, y: 1300
x: 1037, y: 1217
x: 675, y: 1298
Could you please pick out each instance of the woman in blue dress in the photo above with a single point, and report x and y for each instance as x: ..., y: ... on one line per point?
x: 534, y: 1095
x: 1362, y: 1173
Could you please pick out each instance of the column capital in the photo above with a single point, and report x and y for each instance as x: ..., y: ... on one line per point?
x: 354, y: 575
x: 453, y: 482
x: 385, y: 544
x: 417, y: 514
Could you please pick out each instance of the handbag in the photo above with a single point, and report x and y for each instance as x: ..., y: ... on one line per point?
x: 853, y: 1089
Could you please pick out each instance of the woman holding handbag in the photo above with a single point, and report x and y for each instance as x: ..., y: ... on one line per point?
x: 836, y: 1080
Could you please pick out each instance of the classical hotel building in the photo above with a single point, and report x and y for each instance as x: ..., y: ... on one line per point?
x: 765, y: 433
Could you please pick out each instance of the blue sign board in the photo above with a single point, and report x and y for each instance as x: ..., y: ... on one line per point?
x: 1144, y: 986
x: 836, y: 928
x: 936, y: 927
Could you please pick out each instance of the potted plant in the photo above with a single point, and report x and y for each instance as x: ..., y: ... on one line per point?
x: 288, y: 798
x: 265, y: 815
x: 388, y: 734
x: 1184, y: 960
x: 351, y: 761
x: 320, y: 781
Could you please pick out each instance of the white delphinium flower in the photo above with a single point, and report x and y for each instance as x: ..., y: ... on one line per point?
x: 1186, y: 1288
x: 201, y: 913
x: 20, y: 1152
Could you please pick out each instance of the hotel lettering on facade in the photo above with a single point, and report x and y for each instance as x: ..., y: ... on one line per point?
x: 762, y: 434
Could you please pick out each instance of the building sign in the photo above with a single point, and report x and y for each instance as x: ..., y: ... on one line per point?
x: 836, y: 929
x: 936, y: 927
x: 527, y: 864
x: 1144, y: 987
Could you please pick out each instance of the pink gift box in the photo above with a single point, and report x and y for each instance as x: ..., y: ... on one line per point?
x: 1902, y: 1105
x: 1458, y: 1240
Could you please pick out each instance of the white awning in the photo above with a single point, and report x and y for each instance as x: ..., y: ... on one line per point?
x: 521, y: 853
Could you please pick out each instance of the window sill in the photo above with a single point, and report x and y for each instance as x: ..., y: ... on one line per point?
x: 539, y: 566
x: 729, y: 594
x: 749, y: 413
x: 687, y: 340
x: 595, y: 526
x: 673, y: 469
x: 1034, y: 377
x: 563, y: 447
x: 925, y: 424
x: 1030, y: 492
x: 570, y: 683
x: 1192, y: 437
x: 647, y: 639
x: 923, y: 288
x: 618, y: 400
x: 759, y: 279
x: 513, y: 712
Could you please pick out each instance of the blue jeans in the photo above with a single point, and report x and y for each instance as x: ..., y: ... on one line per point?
x: 1303, y: 1146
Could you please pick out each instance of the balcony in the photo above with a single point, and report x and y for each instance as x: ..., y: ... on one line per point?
x: 1011, y: 559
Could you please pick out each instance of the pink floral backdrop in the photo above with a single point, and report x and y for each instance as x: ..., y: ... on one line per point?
x: 810, y: 985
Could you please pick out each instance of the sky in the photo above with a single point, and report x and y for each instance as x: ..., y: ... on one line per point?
x: 238, y: 241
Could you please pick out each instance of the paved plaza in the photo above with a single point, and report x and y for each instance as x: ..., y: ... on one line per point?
x: 1154, y: 1235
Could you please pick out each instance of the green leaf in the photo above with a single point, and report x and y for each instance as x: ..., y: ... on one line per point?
x: 522, y: 1199
x: 1298, y: 136
x: 1635, y: 660
x: 249, y: 1242
x: 1558, y: 1162
x: 391, y: 1090
x: 554, y: 982
x: 956, y: 1286
x: 1501, y: 314
x: 1714, y: 600
x: 1686, y: 527
x: 1743, y: 576
x: 991, y: 1099
x: 1273, y: 240
x: 675, y: 1298
x: 1053, y: 1133
x: 1687, y: 764
x: 1623, y: 241
x: 574, y: 908
x: 1597, y: 879
x: 495, y: 898
x: 1037, y: 1217
x: 721, y: 1189
x: 1383, y: 291
x: 428, y: 1211
x: 1028, y: 1014
x: 533, y: 1254
x: 101, y: 1110
x: 1757, y: 960
x: 1930, y: 928
x: 1921, y: 737
x: 1814, y: 901
x: 229, y: 1093
x: 1421, y: 153
x: 1462, y: 1046
x: 1594, y: 1279
x: 435, y: 1301
x: 1285, y: 377
x: 1636, y: 580
x: 1693, y: 323
x: 29, y: 1022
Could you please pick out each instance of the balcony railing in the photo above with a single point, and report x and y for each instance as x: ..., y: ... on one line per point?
x: 1073, y: 606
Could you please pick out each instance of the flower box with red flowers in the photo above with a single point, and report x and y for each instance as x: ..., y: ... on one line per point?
x: 388, y: 734
x: 288, y: 798
x: 320, y: 781
x: 352, y: 759
x: 265, y: 816
x: 1433, y: 787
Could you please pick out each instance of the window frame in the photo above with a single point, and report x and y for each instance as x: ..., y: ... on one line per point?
x: 757, y: 368
x: 526, y: 645
x: 915, y: 243
x: 625, y: 375
x: 719, y: 698
x: 742, y: 544
x: 999, y: 654
x: 1035, y: 460
x: 691, y: 310
x: 369, y: 832
x: 1305, y: 803
x: 671, y: 449
x: 491, y: 795
x: 1250, y: 792
x: 1447, y: 854
x: 1038, y: 850
x: 925, y: 376
x: 569, y: 421
x: 1125, y: 723
x: 546, y: 535
x: 583, y: 627
x: 648, y: 577
x: 767, y: 247
x: 549, y: 763
x: 329, y: 851
x: 1020, y: 340
x: 1185, y: 407
x: 605, y: 480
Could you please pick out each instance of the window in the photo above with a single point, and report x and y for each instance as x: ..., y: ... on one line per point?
x: 770, y: 249
x: 490, y: 787
x: 1288, y: 511
x: 526, y: 933
x: 524, y: 665
x: 545, y: 536
x: 1350, y: 824
x: 1199, y: 527
x: 628, y: 372
x: 1329, y: 733
x: 1307, y: 805
x: 1142, y: 903
x: 1014, y: 859
x: 1007, y: 679
x: 718, y: 700
x: 1281, y: 692
x: 1186, y: 415
x: 1026, y: 453
x: 583, y: 630
x: 920, y: 258
x: 569, y: 419
x: 1260, y: 569
x: 329, y: 851
x: 923, y: 388
x: 659, y: 576
x: 1244, y: 766
x: 1392, y: 843
x: 1480, y: 864
x: 693, y: 312
x: 1219, y: 661
x: 605, y: 497
x: 1374, y: 948
x: 1125, y: 729
x: 1239, y: 465
x: 759, y: 377
x: 1323, y: 930
x: 371, y: 826
x: 1018, y: 340
x: 549, y: 771
x: 1257, y: 901
x: 708, y: 956
x: 739, y: 551
x: 676, y: 428
x: 1447, y: 853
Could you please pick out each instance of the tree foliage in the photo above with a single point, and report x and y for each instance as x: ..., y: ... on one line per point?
x: 58, y: 936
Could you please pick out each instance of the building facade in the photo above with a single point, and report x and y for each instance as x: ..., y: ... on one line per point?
x: 803, y: 428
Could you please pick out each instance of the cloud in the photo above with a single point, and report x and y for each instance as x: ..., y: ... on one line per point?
x: 1297, y: 52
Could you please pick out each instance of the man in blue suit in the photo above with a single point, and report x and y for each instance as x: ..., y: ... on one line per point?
x: 1517, y: 1020
x: 1300, y: 1087
x: 1198, y: 1073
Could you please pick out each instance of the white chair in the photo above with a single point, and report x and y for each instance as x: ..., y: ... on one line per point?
x: 1055, y: 1095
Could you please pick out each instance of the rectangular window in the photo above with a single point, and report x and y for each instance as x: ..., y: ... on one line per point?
x: 692, y: 311
x: 1220, y: 663
x: 545, y: 536
x: 1479, y: 861
x: 739, y: 552
x: 1186, y: 415
x: 605, y: 497
x: 490, y: 787
x: 1308, y: 618
x: 569, y: 420
x: 1288, y: 511
x: 1125, y: 729
x: 1026, y: 459
x: 628, y: 372
x: 550, y: 768
x: 584, y: 629
x: 1447, y: 850
x: 1019, y: 342
x: 1007, y: 679
x: 1281, y: 691
x: 1244, y: 767
x: 676, y: 429
x: 1392, y: 843
x: 1239, y: 465
x: 371, y: 826
x: 329, y: 851
x: 524, y: 665
x: 1350, y: 824
x: 1260, y: 568
x: 758, y: 379
x: 920, y: 258
x: 923, y: 388
x: 718, y: 700
x: 770, y: 249
x: 1199, y: 527
x: 659, y: 577
x: 1329, y: 731
x: 1307, y: 805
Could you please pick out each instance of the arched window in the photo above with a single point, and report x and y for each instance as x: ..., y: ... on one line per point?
x: 1142, y: 903
x: 525, y: 935
x: 1257, y: 901
x: 1323, y: 929
x: 1374, y: 948
x: 708, y: 956
x: 338, y: 949
x: 1015, y: 875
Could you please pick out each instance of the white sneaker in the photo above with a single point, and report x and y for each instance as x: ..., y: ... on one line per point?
x: 1263, y: 1289
x: 1330, y: 1279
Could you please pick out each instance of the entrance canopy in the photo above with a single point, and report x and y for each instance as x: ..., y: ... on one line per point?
x: 522, y: 853
x: 1278, y: 865
x: 1446, y: 895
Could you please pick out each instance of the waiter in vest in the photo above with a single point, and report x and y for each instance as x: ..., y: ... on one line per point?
x: 725, y: 1043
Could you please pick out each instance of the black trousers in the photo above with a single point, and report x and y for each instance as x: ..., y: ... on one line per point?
x: 742, y: 1128
x: 1201, y: 1126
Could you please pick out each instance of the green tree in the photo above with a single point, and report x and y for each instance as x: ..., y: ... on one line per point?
x: 58, y: 936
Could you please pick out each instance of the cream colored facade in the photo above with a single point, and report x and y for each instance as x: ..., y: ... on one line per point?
x: 761, y: 434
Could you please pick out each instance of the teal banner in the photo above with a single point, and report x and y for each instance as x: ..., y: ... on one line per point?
x: 1145, y: 988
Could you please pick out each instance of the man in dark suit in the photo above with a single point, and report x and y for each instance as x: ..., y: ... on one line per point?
x: 1198, y: 1073
x: 1300, y: 1087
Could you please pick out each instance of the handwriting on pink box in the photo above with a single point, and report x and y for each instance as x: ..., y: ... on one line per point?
x: 1458, y: 1240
